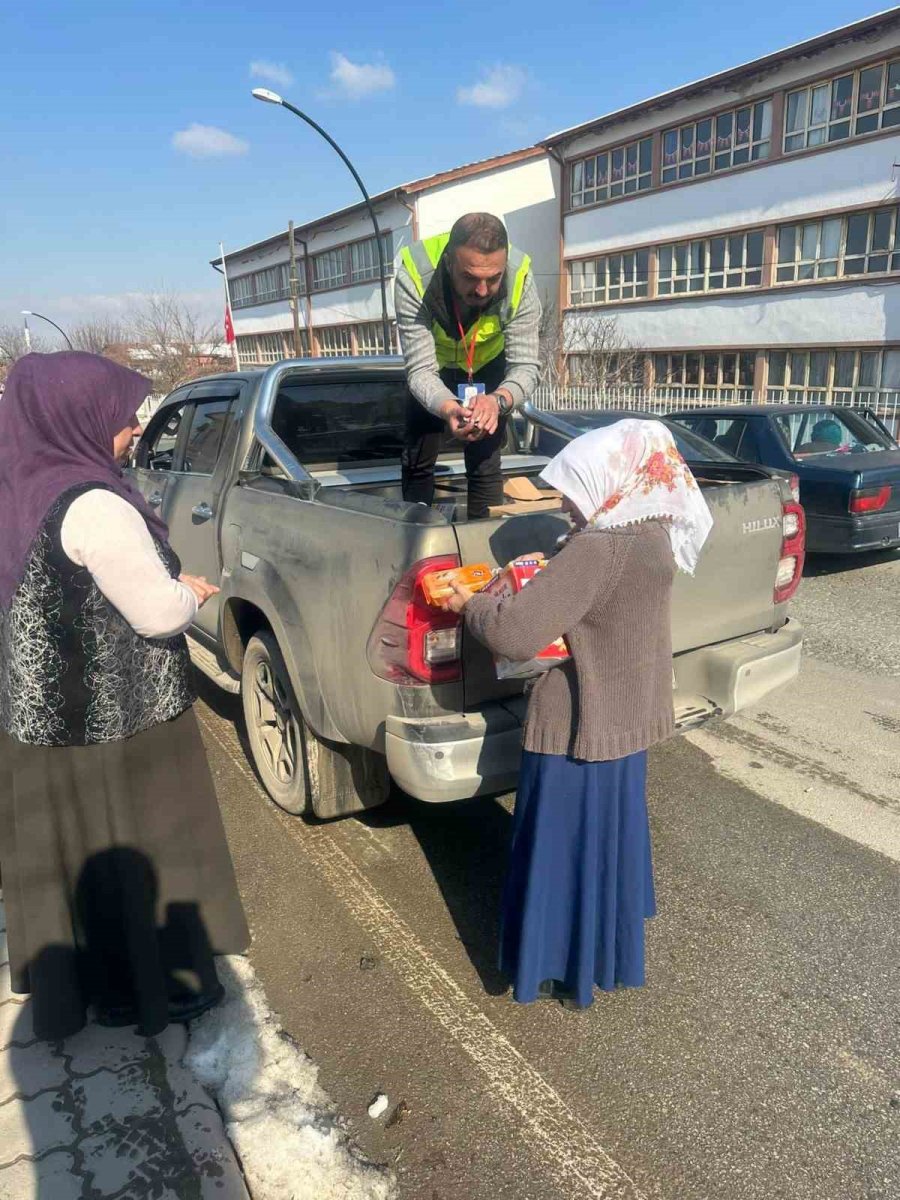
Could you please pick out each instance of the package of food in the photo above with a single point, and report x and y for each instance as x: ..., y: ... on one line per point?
x: 516, y: 575
x: 437, y: 586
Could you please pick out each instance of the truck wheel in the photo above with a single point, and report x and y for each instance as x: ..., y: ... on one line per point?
x: 300, y: 770
x: 273, y: 722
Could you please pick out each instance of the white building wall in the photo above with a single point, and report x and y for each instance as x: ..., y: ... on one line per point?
x: 858, y: 314
x: 525, y: 195
x: 794, y: 72
x: 853, y: 174
x: 362, y: 302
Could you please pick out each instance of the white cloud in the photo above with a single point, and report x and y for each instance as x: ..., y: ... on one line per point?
x: 499, y: 87
x: 206, y: 141
x: 273, y: 72
x: 356, y: 80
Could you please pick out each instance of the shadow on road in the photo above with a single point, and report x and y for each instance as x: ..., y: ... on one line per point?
x: 466, y: 845
x: 840, y: 564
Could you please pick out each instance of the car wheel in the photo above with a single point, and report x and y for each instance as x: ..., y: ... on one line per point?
x: 274, y: 724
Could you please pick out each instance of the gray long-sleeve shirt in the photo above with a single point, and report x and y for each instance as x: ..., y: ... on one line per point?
x: 414, y: 322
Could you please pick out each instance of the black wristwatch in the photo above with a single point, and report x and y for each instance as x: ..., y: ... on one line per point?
x: 505, y: 403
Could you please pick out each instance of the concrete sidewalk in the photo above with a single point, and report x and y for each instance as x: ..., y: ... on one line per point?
x: 105, y: 1114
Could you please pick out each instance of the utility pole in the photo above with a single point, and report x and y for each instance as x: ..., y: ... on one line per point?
x: 295, y: 293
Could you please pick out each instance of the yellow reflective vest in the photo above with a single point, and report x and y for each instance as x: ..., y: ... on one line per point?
x: 421, y: 260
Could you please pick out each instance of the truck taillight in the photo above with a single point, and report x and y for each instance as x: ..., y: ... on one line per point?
x: 867, y: 500
x: 413, y: 643
x: 793, y: 552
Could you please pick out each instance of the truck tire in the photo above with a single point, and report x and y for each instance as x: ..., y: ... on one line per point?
x: 301, y: 771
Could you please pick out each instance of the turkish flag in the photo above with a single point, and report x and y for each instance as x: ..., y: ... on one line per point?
x: 229, y: 328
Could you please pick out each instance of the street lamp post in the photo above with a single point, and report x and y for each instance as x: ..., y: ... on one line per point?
x: 27, y: 312
x: 273, y: 98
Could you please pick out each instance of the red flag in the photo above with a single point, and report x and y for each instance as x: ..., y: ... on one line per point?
x: 229, y: 328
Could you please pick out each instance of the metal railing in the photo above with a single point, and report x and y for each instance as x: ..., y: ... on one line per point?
x: 666, y: 398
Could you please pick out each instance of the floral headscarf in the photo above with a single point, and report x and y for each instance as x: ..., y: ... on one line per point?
x: 629, y: 472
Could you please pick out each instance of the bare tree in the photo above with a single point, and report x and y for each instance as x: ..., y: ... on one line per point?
x: 12, y: 346
x: 597, y: 354
x: 171, y: 342
x: 102, y: 335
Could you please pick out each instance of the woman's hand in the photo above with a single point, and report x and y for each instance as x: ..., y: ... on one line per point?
x: 460, y: 598
x: 200, y: 586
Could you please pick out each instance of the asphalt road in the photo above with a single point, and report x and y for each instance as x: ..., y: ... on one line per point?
x: 761, y: 1060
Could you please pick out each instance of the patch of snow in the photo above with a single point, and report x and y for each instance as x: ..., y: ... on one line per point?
x: 281, y: 1123
x: 378, y: 1106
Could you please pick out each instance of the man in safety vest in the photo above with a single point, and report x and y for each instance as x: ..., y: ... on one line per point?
x: 468, y: 314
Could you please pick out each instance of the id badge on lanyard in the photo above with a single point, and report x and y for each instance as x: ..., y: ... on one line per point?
x: 466, y: 392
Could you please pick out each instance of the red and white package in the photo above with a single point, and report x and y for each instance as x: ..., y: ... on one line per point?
x: 516, y: 575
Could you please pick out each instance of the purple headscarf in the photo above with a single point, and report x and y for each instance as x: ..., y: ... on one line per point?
x: 58, y: 417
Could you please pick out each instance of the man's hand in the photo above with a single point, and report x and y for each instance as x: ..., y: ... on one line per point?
x: 200, y: 586
x: 485, y: 413
x: 459, y: 420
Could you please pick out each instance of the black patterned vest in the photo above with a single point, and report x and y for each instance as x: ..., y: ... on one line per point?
x: 72, y: 670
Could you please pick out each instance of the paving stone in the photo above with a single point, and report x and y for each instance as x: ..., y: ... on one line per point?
x: 186, y: 1090
x: 172, y: 1042
x: 138, y: 1154
x: 50, y: 1178
x: 15, y: 1023
x: 214, y: 1160
x: 33, y: 1126
x: 116, y: 1097
x: 96, y: 1047
x: 27, y: 1070
x: 6, y: 992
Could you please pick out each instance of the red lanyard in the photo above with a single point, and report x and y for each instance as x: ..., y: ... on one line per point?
x: 469, y: 347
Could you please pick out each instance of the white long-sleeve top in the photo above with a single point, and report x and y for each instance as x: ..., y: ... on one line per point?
x: 108, y: 537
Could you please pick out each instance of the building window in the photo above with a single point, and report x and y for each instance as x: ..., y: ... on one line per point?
x: 269, y: 347
x: 334, y: 342
x: 862, y: 243
x: 606, y: 369
x: 609, y: 279
x: 708, y: 374
x: 839, y: 376
x: 728, y: 139
x: 364, y: 258
x: 619, y: 172
x: 711, y: 265
x: 329, y: 269
x: 847, y: 106
x: 259, y: 287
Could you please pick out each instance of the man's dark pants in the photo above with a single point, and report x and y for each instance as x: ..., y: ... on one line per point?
x: 426, y: 436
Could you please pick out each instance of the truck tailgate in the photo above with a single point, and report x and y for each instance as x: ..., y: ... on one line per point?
x: 732, y: 593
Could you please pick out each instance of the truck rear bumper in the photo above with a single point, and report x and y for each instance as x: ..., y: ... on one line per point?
x: 473, y: 754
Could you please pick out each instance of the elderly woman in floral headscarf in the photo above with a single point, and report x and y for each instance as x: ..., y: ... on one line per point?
x: 580, y: 880
x: 117, y: 879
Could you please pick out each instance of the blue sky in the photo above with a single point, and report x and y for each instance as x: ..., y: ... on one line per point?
x: 129, y: 144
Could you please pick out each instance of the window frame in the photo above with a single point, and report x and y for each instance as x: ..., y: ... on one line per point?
x: 888, y: 66
x: 578, y: 169
x: 705, y: 245
x: 600, y: 295
x: 674, y: 160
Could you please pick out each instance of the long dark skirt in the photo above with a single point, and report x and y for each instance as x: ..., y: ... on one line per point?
x: 117, y: 880
x: 580, y: 879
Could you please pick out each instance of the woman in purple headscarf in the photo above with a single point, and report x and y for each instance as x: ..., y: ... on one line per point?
x: 117, y: 879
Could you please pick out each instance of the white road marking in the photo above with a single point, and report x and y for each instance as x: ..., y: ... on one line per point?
x: 584, y: 1168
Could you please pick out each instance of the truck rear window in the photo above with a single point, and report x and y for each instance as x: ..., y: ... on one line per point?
x: 328, y: 423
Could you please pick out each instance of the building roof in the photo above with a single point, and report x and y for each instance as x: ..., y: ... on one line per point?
x: 824, y: 41
x: 413, y: 188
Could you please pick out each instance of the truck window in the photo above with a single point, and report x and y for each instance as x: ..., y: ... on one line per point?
x: 208, y: 425
x: 157, y: 449
x: 331, y: 423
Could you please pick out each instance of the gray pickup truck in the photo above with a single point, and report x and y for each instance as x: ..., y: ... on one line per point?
x: 283, y: 485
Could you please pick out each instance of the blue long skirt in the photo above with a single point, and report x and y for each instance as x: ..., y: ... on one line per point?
x: 580, y: 880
